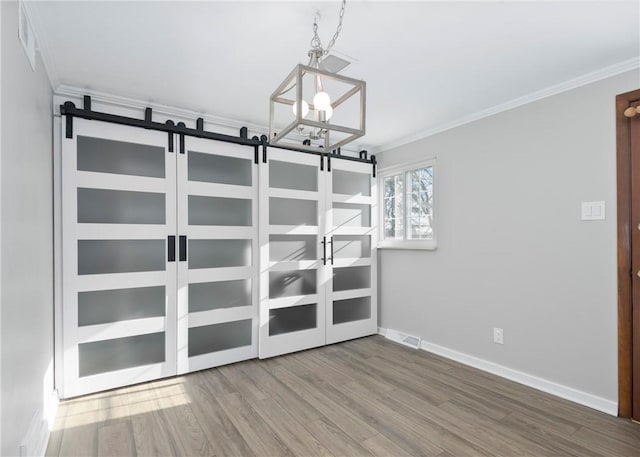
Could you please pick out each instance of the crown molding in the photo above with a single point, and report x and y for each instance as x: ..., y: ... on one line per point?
x: 565, y: 86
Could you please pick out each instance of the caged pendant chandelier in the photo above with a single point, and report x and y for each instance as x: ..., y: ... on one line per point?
x: 315, y: 108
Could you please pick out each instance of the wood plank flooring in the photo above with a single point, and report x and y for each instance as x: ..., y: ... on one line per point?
x: 359, y: 398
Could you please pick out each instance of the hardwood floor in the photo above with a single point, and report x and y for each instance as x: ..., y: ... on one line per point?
x: 362, y: 397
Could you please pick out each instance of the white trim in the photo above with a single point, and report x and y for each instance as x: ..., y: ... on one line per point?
x: 121, y: 329
x: 221, y: 316
x: 294, y: 300
x: 208, y: 189
x: 291, y: 229
x: 544, y: 385
x: 221, y: 232
x: 352, y: 293
x: 416, y: 245
x: 594, y: 76
x: 36, y: 438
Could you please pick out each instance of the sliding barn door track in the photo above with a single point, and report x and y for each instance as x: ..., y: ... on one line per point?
x: 70, y: 110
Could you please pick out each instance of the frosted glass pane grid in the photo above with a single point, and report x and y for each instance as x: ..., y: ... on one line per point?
x: 101, y: 206
x: 219, y: 211
x: 292, y: 247
x: 217, y: 295
x: 106, y: 306
x: 120, y: 353
x: 109, y: 156
x: 287, y: 175
x: 219, y: 169
x: 289, y: 283
x: 219, y: 253
x: 353, y: 309
x: 350, y: 183
x: 291, y: 211
x: 219, y: 337
x: 349, y: 278
x: 293, y: 319
x: 120, y: 256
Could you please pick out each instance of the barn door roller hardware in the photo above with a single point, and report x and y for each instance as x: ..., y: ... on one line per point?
x: 69, y: 110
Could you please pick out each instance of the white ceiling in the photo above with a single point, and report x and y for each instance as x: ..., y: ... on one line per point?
x: 427, y: 64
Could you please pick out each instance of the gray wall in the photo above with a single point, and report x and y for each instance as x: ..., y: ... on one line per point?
x: 512, y: 250
x: 26, y: 304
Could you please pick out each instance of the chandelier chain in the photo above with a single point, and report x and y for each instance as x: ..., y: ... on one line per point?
x: 316, y: 43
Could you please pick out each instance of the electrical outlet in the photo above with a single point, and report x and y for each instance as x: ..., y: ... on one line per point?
x: 498, y: 335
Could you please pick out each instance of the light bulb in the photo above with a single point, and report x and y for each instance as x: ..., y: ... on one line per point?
x: 323, y: 115
x: 328, y: 112
x: 305, y: 108
x: 321, y: 101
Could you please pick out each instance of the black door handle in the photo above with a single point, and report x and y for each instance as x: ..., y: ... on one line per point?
x: 183, y: 248
x: 171, y: 248
x: 331, y: 250
x: 324, y: 250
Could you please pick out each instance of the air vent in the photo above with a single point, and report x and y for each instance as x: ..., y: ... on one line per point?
x: 404, y: 339
x: 25, y: 33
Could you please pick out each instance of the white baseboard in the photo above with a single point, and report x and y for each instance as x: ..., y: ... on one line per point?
x: 36, y: 439
x: 544, y: 385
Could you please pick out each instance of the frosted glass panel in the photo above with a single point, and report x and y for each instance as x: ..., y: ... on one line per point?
x: 351, y: 215
x: 219, y: 253
x: 120, y: 353
x: 293, y: 319
x: 350, y: 183
x: 216, y: 295
x: 349, y: 278
x: 105, y: 306
x: 292, y: 247
x: 288, y: 283
x: 291, y: 211
x: 354, y: 309
x: 219, y: 169
x: 287, y: 175
x: 120, y: 256
x: 351, y: 246
x: 109, y: 156
x: 219, y: 337
x: 219, y: 211
x: 100, y: 206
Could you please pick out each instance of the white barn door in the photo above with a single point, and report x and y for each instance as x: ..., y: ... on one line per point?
x: 218, y: 254
x: 119, y: 289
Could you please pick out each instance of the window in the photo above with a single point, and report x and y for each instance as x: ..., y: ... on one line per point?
x: 407, y: 208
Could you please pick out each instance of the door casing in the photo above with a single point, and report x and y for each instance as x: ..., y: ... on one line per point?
x: 625, y: 290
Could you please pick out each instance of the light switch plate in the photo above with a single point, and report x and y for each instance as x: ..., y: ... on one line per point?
x: 592, y: 211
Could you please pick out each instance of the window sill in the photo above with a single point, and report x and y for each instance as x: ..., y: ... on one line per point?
x: 430, y: 245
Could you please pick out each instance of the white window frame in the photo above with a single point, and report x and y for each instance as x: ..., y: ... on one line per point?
x: 404, y: 243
